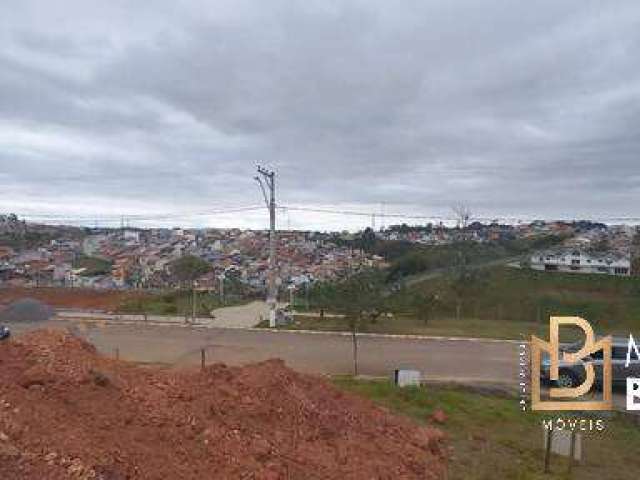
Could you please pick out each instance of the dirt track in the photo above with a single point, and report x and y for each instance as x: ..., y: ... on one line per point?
x: 81, y: 298
x: 66, y: 412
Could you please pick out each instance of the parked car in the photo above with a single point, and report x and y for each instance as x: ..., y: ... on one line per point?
x: 572, y: 375
x: 4, y: 332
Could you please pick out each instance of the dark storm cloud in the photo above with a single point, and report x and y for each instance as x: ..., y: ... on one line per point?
x: 513, y: 108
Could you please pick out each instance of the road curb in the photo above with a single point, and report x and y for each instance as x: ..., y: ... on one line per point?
x: 285, y: 330
x: 383, y: 335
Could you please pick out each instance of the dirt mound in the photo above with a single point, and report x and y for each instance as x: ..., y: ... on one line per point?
x: 81, y: 298
x: 26, y: 310
x: 66, y: 412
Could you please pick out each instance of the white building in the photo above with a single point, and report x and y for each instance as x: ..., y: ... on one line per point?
x: 577, y: 261
x: 132, y: 235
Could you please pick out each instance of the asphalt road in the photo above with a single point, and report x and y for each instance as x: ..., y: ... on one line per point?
x: 467, y: 361
x: 462, y: 360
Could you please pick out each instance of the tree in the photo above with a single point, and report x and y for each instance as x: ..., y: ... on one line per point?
x: 367, y: 240
x: 463, y: 281
x: 635, y: 266
x: 462, y: 214
x: 360, y: 299
x: 601, y: 246
x: 424, y: 306
x: 185, y: 270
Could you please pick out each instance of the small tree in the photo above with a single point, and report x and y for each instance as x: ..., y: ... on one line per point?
x: 360, y: 299
x: 367, y: 240
x: 463, y: 282
x: 462, y: 214
x: 186, y: 269
x: 602, y: 245
x: 424, y: 306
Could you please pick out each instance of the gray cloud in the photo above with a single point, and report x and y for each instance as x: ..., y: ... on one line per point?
x: 518, y: 110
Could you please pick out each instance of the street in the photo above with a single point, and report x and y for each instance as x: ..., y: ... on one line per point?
x: 467, y: 361
x: 463, y: 360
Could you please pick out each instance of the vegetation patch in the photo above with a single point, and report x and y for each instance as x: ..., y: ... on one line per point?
x: 93, y: 265
x: 491, y: 438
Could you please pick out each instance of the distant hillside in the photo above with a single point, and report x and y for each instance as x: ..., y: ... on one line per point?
x: 21, y: 235
x: 524, y: 295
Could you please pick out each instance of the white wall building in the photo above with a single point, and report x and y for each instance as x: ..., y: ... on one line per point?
x: 577, y: 261
x: 132, y: 235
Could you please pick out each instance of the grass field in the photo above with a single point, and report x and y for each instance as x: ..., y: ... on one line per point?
x: 441, y: 326
x: 175, y: 302
x: 527, y: 295
x: 93, y: 265
x: 503, y: 302
x: 492, y: 439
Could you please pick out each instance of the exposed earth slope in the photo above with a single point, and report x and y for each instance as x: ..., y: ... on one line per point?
x: 67, y: 412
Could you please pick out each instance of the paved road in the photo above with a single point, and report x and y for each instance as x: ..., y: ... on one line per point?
x: 324, y: 353
x: 459, y: 360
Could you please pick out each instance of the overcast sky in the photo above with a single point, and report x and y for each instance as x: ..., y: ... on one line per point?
x: 519, y: 109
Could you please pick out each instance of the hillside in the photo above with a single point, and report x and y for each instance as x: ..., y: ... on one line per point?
x: 496, y: 301
x: 522, y: 295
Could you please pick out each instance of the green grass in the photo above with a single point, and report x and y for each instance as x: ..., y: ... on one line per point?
x: 502, y: 302
x: 492, y: 439
x: 610, y: 303
x: 93, y: 265
x: 409, y: 325
x: 175, y: 302
x: 411, y: 259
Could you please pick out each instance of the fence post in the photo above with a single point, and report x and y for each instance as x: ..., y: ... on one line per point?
x: 354, y: 339
x: 547, y: 451
x: 202, y: 359
x: 572, y: 450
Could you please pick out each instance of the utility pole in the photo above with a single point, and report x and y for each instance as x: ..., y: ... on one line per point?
x: 268, y: 178
x: 193, y: 302
x: 292, y: 289
x: 221, y: 278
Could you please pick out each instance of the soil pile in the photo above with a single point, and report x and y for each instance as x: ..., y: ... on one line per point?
x: 67, y: 412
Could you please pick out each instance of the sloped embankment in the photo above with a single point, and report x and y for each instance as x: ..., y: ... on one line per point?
x: 67, y: 412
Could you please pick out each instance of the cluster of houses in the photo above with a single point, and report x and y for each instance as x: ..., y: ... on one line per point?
x: 439, y: 234
x: 590, y: 247
x: 601, y: 250
x: 142, y: 258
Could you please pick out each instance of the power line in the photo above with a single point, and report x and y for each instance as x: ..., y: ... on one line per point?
x: 121, y: 218
x: 87, y: 219
x: 367, y: 214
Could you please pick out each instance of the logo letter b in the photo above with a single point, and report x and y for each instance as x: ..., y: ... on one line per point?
x: 633, y: 393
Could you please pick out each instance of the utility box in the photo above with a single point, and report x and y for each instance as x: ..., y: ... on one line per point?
x: 406, y: 378
x: 561, y: 443
x: 283, y: 318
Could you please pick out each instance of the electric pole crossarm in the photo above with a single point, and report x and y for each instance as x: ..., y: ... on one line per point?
x: 264, y: 192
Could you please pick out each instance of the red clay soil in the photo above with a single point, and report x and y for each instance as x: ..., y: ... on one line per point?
x: 66, y: 412
x: 81, y: 298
